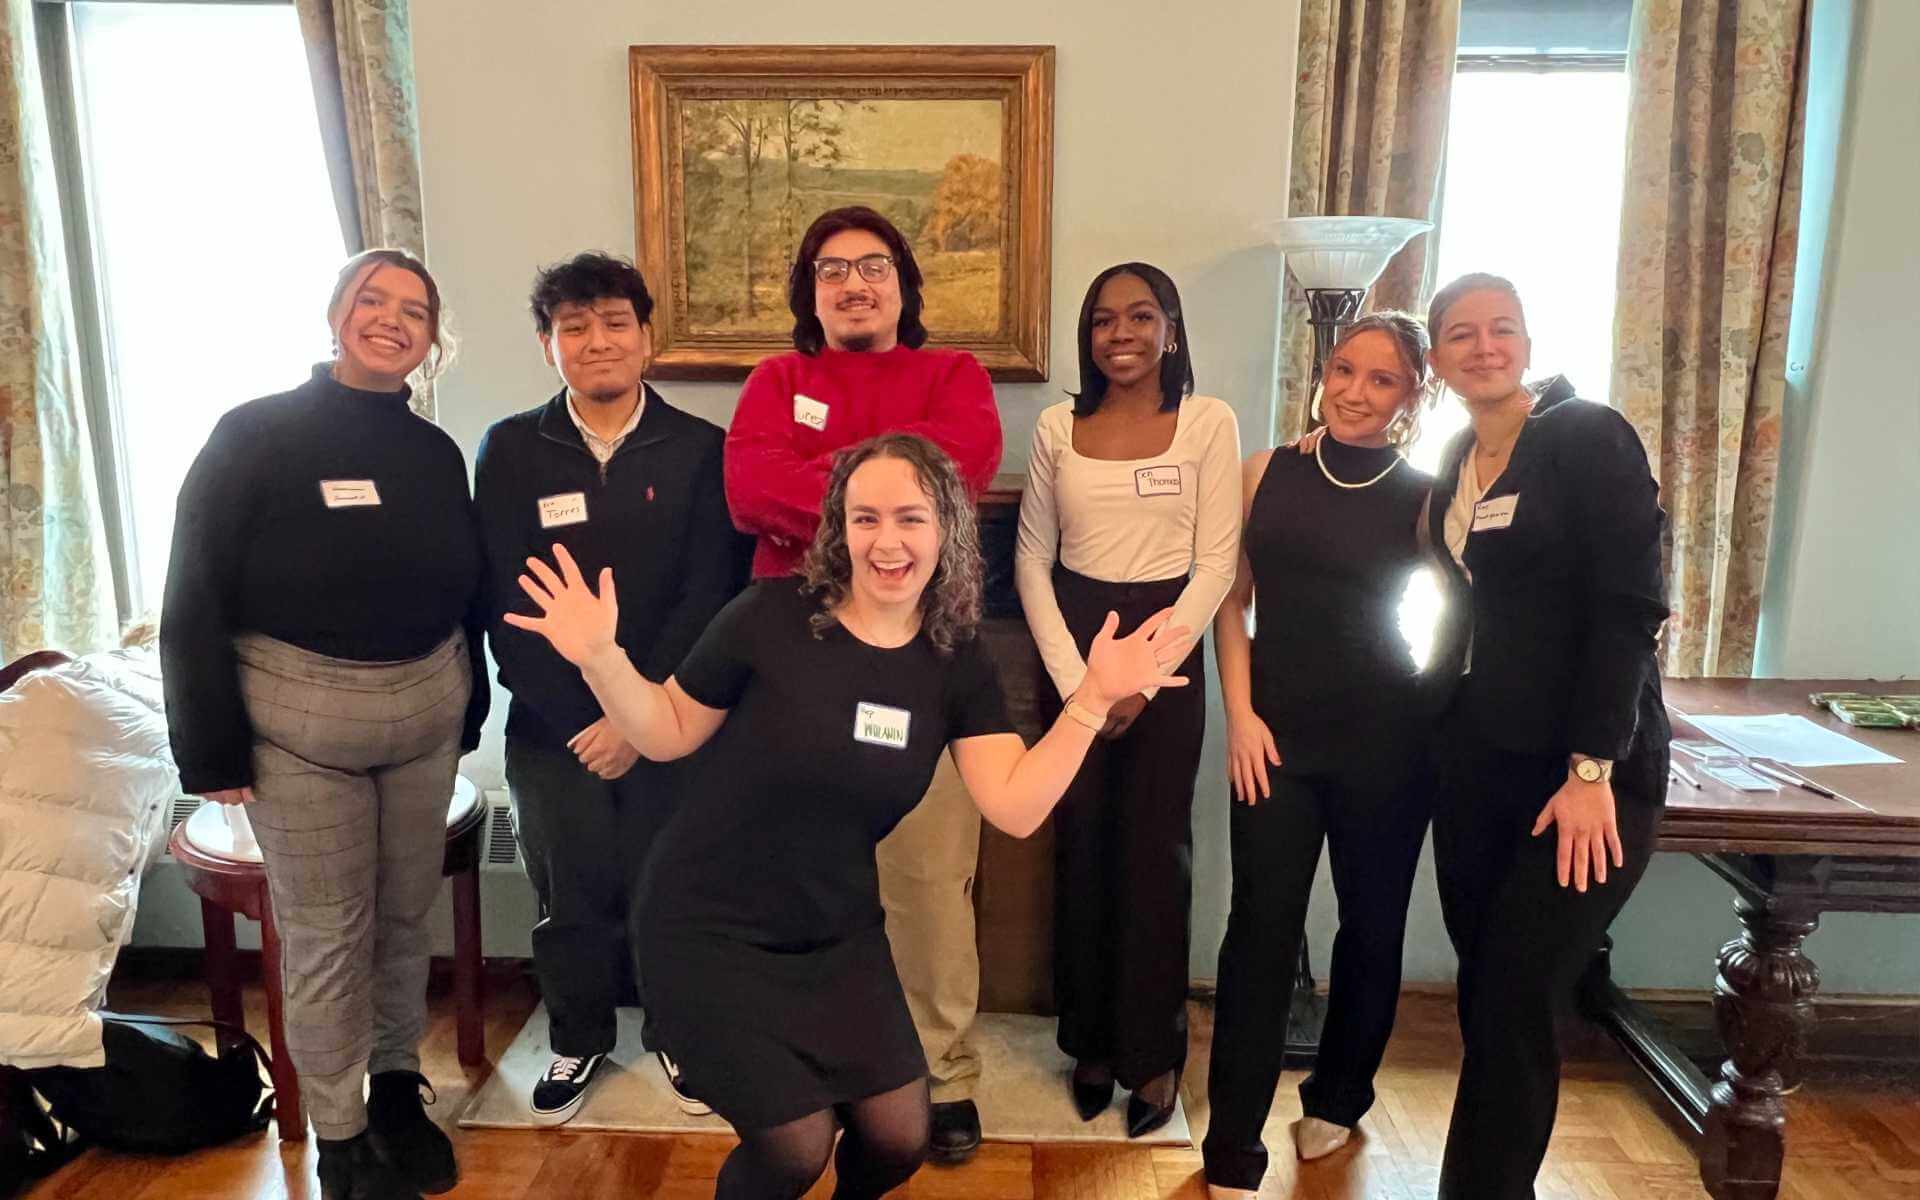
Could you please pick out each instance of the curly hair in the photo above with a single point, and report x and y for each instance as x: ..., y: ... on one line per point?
x: 950, y: 603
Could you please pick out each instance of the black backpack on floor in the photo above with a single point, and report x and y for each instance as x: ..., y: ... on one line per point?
x: 159, y: 1092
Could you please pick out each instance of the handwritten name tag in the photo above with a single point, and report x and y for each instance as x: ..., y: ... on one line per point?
x: 349, y: 493
x: 568, y: 508
x: 1157, y: 481
x: 879, y: 725
x: 809, y: 412
x: 1494, y: 514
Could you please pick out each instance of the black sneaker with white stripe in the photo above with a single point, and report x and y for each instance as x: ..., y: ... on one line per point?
x: 690, y: 1104
x: 558, y: 1094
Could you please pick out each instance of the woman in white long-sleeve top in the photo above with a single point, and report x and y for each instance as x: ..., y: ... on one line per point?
x: 1132, y: 505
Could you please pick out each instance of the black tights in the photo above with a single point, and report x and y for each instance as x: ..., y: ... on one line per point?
x: 884, y: 1144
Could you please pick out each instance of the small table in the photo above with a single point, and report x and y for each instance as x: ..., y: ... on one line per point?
x: 1789, y: 857
x: 231, y: 880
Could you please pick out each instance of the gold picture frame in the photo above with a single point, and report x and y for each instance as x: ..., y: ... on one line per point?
x: 737, y: 148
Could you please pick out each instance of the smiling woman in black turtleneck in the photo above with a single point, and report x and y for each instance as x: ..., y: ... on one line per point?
x: 1326, y: 730
x: 296, y: 686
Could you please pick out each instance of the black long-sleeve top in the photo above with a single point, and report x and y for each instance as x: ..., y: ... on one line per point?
x: 1565, y: 603
x: 273, y: 535
x: 656, y: 513
x: 1333, y: 676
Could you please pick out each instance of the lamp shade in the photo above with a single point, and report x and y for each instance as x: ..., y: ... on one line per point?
x: 1341, y: 252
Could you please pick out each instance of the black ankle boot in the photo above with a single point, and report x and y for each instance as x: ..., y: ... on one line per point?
x: 350, y: 1170
x: 405, y: 1137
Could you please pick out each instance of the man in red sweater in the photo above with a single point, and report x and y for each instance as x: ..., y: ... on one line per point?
x: 858, y: 370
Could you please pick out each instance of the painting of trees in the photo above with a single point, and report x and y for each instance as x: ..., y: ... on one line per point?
x: 967, y: 206
x: 756, y: 171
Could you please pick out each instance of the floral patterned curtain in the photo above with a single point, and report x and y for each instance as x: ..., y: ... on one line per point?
x: 1374, y: 81
x: 360, y: 53
x: 1708, y: 241
x: 56, y: 584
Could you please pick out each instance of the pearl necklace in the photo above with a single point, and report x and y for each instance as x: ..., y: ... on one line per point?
x: 1342, y: 484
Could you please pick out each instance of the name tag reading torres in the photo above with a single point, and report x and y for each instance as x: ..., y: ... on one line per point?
x: 879, y: 725
x: 1494, y: 514
x: 809, y: 412
x: 349, y: 493
x: 568, y: 508
x: 1157, y: 481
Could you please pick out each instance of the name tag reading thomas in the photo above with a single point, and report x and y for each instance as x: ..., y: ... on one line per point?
x: 568, y: 508
x: 879, y: 725
x: 809, y: 412
x: 1494, y: 514
x: 1157, y: 481
x: 349, y: 493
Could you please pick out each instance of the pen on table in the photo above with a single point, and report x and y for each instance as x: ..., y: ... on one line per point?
x: 1795, y: 780
x: 1674, y: 769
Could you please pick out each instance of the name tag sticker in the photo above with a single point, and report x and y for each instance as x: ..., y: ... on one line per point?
x: 1494, y: 514
x: 1157, y: 481
x: 568, y: 508
x: 809, y: 412
x: 879, y: 725
x: 349, y: 493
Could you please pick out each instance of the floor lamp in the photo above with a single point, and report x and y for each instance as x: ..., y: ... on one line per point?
x: 1335, y: 260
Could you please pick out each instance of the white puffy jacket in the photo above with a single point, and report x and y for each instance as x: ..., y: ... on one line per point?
x: 86, y: 782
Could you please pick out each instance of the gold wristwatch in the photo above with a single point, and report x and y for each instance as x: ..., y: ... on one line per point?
x: 1590, y: 770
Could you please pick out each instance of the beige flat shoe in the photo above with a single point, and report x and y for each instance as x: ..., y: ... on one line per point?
x: 1314, y: 1138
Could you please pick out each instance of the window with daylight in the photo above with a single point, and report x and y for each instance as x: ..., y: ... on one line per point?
x: 1536, y: 157
x: 204, y: 236
x: 1531, y: 189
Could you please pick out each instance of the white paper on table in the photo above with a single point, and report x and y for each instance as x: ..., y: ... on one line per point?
x: 1791, y: 739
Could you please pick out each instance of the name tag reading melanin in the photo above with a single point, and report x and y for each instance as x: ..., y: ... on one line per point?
x: 881, y: 725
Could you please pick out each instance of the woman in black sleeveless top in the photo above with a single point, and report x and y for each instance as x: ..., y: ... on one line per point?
x: 1327, y: 731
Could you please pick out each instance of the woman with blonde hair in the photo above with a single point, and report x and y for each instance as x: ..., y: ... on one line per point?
x: 320, y: 643
x: 1327, y: 727
x: 818, y: 707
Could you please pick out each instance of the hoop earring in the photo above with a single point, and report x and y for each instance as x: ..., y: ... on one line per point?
x: 1172, y: 346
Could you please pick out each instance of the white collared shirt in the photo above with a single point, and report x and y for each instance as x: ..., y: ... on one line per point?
x: 602, y: 448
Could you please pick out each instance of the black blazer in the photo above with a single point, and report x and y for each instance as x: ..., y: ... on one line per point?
x: 1565, y: 605
x: 656, y: 513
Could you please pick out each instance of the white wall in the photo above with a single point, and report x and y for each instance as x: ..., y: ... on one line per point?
x: 1845, y: 584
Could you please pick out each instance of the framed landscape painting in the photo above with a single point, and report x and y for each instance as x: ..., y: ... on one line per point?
x: 736, y: 149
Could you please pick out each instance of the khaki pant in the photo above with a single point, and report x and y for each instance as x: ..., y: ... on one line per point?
x: 926, y: 886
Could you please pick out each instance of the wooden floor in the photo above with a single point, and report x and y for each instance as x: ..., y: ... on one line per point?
x: 1847, y: 1143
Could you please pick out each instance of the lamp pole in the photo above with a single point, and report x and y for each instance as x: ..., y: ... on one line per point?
x: 1335, y: 260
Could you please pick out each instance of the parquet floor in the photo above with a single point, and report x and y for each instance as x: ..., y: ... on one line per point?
x: 1610, y: 1143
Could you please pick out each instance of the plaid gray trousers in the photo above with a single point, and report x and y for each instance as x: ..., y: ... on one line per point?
x: 353, y: 767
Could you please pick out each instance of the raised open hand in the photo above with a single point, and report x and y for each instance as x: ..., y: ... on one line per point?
x: 576, y: 622
x: 1119, y: 667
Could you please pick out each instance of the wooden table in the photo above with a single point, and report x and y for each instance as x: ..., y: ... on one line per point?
x: 1789, y: 857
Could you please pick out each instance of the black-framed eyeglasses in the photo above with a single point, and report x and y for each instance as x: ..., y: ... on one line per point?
x: 874, y: 268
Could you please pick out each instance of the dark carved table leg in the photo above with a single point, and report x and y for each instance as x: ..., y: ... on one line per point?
x: 1763, y: 1006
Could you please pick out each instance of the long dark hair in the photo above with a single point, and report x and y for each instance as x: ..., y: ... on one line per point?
x: 950, y: 603
x: 1176, y: 365
x: 808, y: 336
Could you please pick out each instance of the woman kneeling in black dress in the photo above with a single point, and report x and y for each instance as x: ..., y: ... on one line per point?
x: 819, y: 707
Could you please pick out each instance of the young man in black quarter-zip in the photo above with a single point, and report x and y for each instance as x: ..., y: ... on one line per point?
x: 623, y: 480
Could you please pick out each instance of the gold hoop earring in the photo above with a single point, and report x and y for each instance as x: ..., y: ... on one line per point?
x: 1172, y: 346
